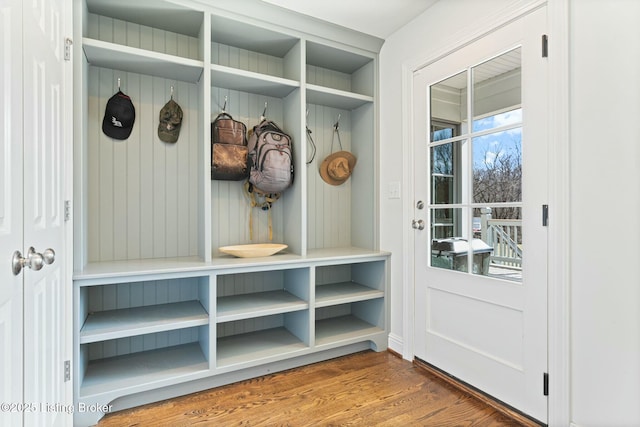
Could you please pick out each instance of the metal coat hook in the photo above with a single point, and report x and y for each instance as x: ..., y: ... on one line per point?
x: 264, y: 113
x: 336, y: 128
x: 224, y: 107
x: 118, y: 83
x: 337, y: 125
x: 171, y: 92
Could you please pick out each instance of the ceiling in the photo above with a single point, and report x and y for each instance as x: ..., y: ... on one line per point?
x: 379, y: 18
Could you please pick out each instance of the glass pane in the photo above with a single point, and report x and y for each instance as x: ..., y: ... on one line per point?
x: 446, y: 223
x: 449, y: 247
x: 448, y: 106
x: 445, y: 173
x: 496, y: 89
x: 497, y: 167
x: 498, y: 242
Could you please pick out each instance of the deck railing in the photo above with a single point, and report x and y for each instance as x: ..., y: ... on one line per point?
x: 505, y: 237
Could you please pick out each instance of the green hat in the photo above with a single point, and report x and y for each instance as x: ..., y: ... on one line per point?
x: 170, y: 122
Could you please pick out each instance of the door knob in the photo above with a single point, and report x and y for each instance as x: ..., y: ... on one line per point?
x: 48, y: 256
x: 418, y: 225
x: 33, y: 260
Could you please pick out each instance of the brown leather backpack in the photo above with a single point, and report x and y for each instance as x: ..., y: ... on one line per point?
x: 229, y: 152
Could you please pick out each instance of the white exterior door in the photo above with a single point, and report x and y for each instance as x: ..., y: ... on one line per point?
x: 480, y: 186
x: 34, y: 303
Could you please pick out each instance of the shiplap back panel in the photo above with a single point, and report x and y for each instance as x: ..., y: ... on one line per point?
x: 249, y: 325
x: 328, y: 78
x: 128, y: 345
x: 247, y: 60
x: 333, y: 311
x: 140, y: 294
x: 230, y: 205
x: 248, y: 283
x: 328, y: 206
x: 143, y: 196
x: 333, y: 274
x: 142, y: 37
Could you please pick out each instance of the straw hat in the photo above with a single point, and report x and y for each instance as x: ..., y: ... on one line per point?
x: 337, y: 167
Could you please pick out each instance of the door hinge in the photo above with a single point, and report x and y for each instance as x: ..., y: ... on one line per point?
x: 67, y: 370
x: 545, y: 46
x: 545, y: 384
x: 545, y: 215
x: 67, y: 48
x: 67, y: 210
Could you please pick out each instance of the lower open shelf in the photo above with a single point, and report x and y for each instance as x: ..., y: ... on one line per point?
x: 343, y: 328
x: 257, y: 345
x: 111, y: 324
x: 135, y: 369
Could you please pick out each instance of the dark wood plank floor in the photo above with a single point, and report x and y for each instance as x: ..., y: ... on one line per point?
x: 363, y: 389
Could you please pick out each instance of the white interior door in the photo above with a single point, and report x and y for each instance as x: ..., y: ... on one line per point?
x: 10, y: 211
x: 33, y: 215
x: 480, y: 243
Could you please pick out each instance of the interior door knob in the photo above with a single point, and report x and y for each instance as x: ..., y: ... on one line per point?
x: 33, y: 260
x: 48, y: 256
x: 418, y: 225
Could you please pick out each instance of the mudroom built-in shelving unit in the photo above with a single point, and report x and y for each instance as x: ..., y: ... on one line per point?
x: 159, y: 310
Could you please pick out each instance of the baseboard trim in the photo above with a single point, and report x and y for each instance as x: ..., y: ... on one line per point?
x: 396, y: 343
x: 499, y: 406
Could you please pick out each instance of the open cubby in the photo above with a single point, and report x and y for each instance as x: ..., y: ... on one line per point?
x: 183, y: 352
x: 342, y: 215
x: 264, y: 338
x: 257, y: 294
x: 349, y: 301
x: 153, y: 38
x: 231, y: 208
x: 254, y: 59
x: 350, y: 322
x: 141, y: 193
x: 132, y: 309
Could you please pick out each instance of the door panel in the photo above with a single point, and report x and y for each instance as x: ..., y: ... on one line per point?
x: 44, y: 310
x: 10, y: 209
x: 480, y: 164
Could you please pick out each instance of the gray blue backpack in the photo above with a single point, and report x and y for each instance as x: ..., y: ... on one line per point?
x: 270, y: 168
x: 270, y: 158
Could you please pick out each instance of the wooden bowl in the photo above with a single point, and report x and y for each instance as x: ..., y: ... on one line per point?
x: 253, y: 250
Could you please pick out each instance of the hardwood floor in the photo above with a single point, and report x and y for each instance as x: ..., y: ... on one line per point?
x: 363, y: 389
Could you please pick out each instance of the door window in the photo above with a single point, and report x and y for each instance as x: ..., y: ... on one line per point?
x: 476, y: 169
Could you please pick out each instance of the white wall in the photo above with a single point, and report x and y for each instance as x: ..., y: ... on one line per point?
x: 605, y: 190
x: 605, y: 205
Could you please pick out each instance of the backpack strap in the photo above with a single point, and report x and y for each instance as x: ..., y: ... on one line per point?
x: 313, y: 145
x: 261, y: 200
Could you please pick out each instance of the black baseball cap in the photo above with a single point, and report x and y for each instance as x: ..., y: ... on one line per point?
x: 119, y: 116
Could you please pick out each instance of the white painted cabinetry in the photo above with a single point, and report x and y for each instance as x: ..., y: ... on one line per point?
x: 159, y: 311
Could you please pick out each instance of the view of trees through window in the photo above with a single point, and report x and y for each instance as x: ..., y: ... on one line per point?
x: 497, y: 165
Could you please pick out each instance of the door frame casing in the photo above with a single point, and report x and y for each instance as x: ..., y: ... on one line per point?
x: 559, y: 250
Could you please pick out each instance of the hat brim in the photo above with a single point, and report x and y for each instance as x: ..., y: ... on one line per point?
x: 115, y: 132
x: 168, y: 135
x: 324, y: 167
